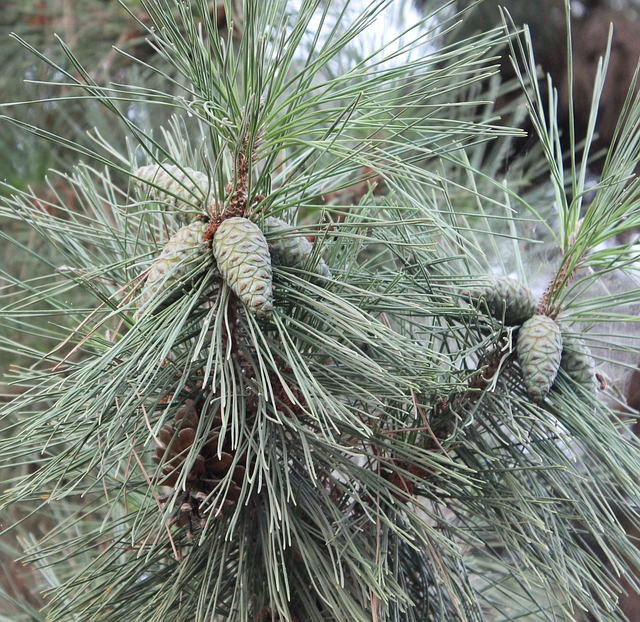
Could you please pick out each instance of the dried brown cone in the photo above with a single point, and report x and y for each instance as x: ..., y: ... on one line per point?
x: 405, y: 475
x: 211, y: 466
x: 404, y: 488
x: 290, y: 403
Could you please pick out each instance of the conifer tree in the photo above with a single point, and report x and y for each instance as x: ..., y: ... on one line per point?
x: 308, y: 352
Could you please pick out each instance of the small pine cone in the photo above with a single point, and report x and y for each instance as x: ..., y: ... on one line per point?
x: 504, y: 297
x: 242, y: 255
x: 403, y: 488
x: 578, y: 363
x: 209, y: 469
x: 293, y: 251
x: 184, y: 255
x: 539, y: 349
x: 181, y: 188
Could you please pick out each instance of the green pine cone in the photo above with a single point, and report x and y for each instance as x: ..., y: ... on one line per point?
x: 539, y: 350
x: 293, y: 251
x: 184, y: 255
x: 505, y: 298
x: 578, y: 363
x: 182, y: 189
x: 242, y: 255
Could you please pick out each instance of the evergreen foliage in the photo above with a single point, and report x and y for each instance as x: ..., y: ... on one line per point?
x: 367, y: 449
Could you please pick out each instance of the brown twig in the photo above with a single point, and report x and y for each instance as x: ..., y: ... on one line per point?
x: 544, y: 306
x: 239, y: 205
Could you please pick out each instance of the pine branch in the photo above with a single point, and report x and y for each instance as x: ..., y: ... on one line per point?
x: 344, y: 428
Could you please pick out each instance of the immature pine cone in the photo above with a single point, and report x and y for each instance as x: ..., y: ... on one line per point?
x: 539, y: 349
x: 183, y: 189
x: 242, y: 255
x: 578, y: 363
x: 184, y: 256
x: 294, y: 251
x: 504, y: 297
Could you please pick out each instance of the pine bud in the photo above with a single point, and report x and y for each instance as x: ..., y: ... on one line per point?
x: 242, y: 255
x: 183, y: 256
x: 294, y: 251
x: 182, y: 189
x: 539, y: 349
x: 578, y: 363
x: 505, y: 298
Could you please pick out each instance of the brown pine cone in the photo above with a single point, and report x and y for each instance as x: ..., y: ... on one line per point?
x: 207, y: 472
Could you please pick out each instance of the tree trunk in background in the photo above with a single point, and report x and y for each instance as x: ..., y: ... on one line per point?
x: 590, y: 30
x: 590, y: 36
